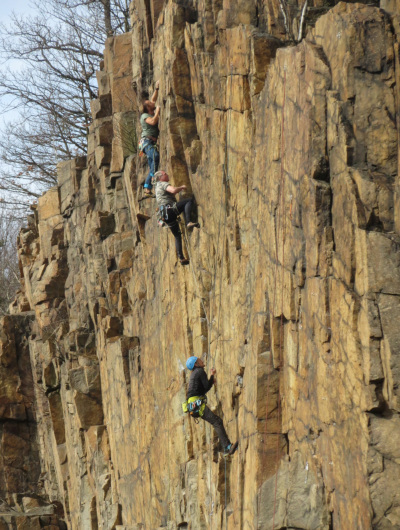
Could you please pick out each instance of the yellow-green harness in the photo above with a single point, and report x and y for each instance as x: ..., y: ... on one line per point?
x: 195, y: 406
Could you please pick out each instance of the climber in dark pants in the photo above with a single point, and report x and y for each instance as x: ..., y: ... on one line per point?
x: 199, y: 385
x: 165, y: 196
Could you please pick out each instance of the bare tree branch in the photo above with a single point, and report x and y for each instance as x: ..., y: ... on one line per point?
x: 9, y: 270
x: 301, y: 24
x: 58, y: 53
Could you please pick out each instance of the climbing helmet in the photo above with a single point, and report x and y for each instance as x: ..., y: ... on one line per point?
x: 191, y: 362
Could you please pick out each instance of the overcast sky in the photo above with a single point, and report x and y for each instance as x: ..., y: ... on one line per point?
x: 8, y: 6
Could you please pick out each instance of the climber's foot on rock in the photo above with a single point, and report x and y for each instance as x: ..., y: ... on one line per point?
x: 230, y: 449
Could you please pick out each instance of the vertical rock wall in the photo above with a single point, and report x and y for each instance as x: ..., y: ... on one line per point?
x: 23, y: 500
x: 292, y: 292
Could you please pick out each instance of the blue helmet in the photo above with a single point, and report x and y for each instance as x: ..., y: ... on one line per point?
x: 191, y: 362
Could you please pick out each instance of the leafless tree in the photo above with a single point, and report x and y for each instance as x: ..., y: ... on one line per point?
x: 9, y: 271
x: 57, y: 54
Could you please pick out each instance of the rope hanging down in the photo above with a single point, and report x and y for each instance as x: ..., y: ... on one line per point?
x: 280, y: 234
x: 282, y: 192
x: 226, y: 167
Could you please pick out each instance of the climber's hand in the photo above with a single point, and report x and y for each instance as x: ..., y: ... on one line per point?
x: 213, y: 371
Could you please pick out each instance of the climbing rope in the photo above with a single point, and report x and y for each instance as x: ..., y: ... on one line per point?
x: 168, y: 458
x: 226, y: 502
x: 209, y: 327
x: 167, y: 402
x: 226, y: 168
x: 225, y: 179
x: 282, y: 191
x: 139, y: 460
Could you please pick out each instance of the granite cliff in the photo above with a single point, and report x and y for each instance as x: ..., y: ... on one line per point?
x: 292, y: 292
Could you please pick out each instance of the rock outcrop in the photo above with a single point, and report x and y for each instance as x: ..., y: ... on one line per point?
x: 292, y: 292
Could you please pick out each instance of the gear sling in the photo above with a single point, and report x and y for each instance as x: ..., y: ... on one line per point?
x: 195, y: 406
x: 164, y: 215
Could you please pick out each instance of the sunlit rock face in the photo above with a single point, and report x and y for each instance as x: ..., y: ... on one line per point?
x: 292, y: 292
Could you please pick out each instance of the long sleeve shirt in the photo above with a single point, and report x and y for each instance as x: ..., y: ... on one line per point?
x: 199, y: 384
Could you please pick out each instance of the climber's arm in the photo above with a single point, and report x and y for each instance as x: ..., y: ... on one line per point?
x: 154, y: 119
x: 175, y: 189
x: 155, y: 93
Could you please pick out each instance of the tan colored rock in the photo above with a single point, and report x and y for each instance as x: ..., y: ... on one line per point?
x: 103, y: 81
x: 124, y: 141
x: 291, y: 292
x: 101, y: 107
x: 20, y: 489
x: 104, y: 132
x: 103, y: 155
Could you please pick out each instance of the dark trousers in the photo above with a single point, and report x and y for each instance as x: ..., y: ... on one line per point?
x: 153, y: 158
x: 185, y: 205
x: 218, y: 425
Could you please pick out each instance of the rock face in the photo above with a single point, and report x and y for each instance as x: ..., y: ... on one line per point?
x: 22, y: 496
x: 292, y: 292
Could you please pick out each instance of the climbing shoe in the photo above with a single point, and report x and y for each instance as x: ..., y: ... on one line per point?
x: 192, y: 225
x: 184, y: 261
x: 230, y: 449
x: 148, y: 192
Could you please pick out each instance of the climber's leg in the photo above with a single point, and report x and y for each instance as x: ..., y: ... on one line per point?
x: 174, y: 227
x: 153, y: 159
x: 218, y: 425
x: 186, y: 205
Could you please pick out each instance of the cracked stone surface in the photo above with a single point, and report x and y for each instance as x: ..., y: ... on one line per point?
x: 292, y: 293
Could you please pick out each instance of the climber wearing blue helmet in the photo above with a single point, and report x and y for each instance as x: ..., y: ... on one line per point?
x: 191, y: 362
x: 199, y: 385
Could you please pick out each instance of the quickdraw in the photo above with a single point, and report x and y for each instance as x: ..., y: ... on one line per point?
x: 163, y: 213
x: 141, y: 145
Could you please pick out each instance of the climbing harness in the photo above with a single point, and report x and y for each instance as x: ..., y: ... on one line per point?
x: 166, y: 211
x: 143, y: 143
x: 195, y: 406
x: 164, y: 214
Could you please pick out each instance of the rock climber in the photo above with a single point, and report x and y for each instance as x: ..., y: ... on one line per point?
x: 150, y: 131
x: 170, y: 209
x: 199, y: 385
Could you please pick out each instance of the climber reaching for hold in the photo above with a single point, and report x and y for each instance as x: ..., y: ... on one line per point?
x: 199, y: 385
x: 150, y: 131
x: 170, y: 209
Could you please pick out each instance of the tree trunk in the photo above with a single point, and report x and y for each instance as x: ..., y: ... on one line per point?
x: 107, y: 17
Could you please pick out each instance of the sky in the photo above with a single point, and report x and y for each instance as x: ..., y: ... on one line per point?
x: 8, y: 6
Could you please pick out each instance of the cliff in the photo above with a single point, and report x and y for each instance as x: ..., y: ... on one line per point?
x: 292, y: 292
